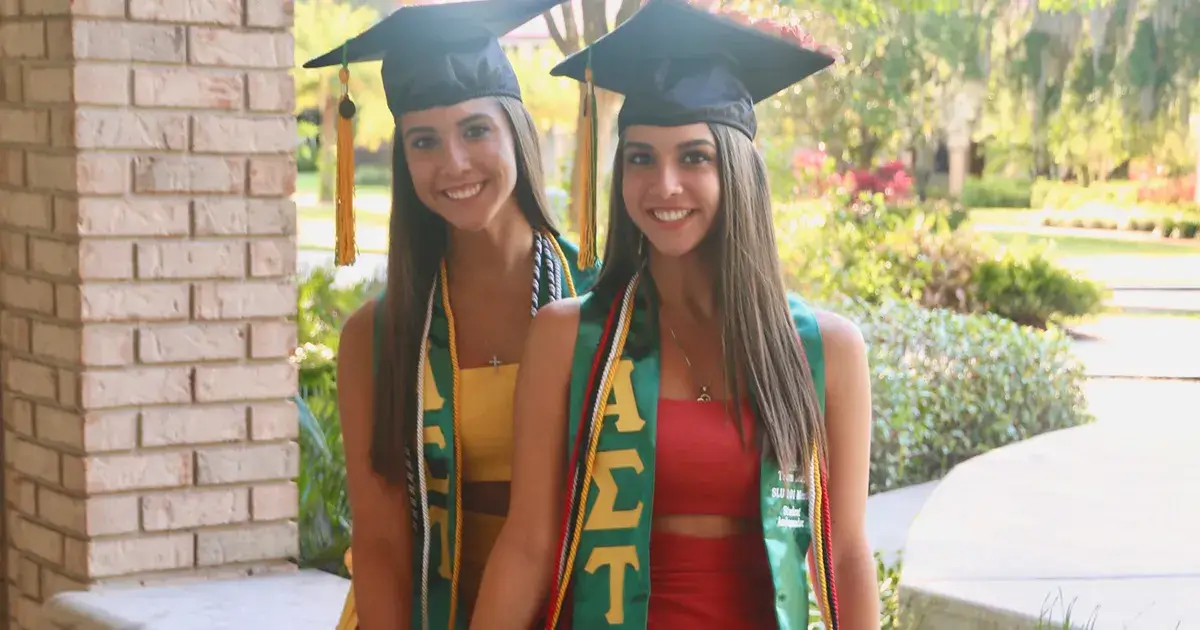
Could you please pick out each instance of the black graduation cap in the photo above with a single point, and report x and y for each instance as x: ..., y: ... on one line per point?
x: 678, y: 64
x: 441, y: 54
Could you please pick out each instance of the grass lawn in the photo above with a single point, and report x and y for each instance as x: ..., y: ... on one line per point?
x: 1003, y: 216
x: 307, y: 184
x: 362, y: 216
x: 1033, y: 217
x: 1079, y: 246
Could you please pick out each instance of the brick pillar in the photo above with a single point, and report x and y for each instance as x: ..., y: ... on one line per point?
x: 147, y: 248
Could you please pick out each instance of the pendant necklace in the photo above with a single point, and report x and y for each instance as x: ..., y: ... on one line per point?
x: 543, y: 255
x: 703, y: 397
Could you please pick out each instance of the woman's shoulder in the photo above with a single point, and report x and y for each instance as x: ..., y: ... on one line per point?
x: 834, y: 331
x: 845, y: 352
x: 558, y: 316
x: 838, y: 331
x: 357, y: 341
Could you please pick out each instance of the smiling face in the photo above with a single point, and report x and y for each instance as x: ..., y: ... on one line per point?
x: 671, y: 185
x: 462, y: 161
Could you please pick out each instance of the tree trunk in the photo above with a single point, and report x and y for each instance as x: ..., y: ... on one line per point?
x: 327, y: 155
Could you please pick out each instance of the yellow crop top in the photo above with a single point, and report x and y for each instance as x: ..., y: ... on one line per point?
x: 486, y: 405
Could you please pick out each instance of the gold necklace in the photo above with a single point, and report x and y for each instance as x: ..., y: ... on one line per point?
x: 703, y: 397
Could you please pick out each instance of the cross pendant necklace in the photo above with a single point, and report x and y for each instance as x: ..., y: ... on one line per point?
x: 495, y: 363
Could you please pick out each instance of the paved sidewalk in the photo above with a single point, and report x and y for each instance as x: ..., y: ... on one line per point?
x: 1162, y: 299
x: 1102, y: 516
x: 1141, y: 347
x: 1100, y: 519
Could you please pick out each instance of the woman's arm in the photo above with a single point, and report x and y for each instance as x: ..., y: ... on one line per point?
x: 848, y: 428
x: 381, y: 535
x: 520, y: 568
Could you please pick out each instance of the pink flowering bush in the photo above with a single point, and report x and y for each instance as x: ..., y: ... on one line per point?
x: 890, y: 180
x: 817, y: 177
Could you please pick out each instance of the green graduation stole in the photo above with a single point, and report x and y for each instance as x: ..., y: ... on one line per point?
x: 610, y: 475
x: 436, y: 493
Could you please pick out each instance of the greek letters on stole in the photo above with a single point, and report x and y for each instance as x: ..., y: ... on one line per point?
x: 442, y: 470
x: 604, y: 557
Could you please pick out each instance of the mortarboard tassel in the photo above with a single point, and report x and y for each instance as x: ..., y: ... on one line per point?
x: 586, y: 158
x: 345, y: 250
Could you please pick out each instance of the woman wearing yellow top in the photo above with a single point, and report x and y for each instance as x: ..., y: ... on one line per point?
x: 473, y: 254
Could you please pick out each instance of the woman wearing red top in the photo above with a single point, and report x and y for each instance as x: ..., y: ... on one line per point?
x: 698, y: 408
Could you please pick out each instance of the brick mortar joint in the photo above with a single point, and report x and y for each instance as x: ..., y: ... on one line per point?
x: 57, y: 448
x: 198, y: 571
x: 60, y: 569
x: 33, y: 274
x: 38, y: 316
x: 63, y: 238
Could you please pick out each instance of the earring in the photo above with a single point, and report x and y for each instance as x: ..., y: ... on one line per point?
x: 642, y: 246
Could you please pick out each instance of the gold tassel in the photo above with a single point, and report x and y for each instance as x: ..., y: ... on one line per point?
x: 345, y: 250
x: 585, y: 156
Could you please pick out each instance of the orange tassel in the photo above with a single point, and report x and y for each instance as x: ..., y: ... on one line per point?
x: 585, y: 156
x: 345, y: 250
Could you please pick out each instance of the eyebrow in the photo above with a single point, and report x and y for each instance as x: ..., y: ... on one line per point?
x: 473, y: 118
x: 687, y: 144
x: 699, y: 142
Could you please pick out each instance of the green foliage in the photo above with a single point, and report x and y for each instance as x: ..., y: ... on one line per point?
x: 889, y: 591
x: 321, y: 26
x: 1088, y: 135
x: 1055, y: 195
x: 1031, y: 290
x: 552, y: 101
x: 1067, y: 618
x: 918, y: 253
x: 1109, y: 84
x: 947, y: 386
x: 996, y: 192
x: 323, y: 306
x: 889, y: 596
x: 373, y: 175
x: 306, y: 150
x: 324, y: 505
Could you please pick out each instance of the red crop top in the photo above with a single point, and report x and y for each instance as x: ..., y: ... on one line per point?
x: 701, y: 464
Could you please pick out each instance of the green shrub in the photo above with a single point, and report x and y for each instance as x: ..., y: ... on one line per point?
x: 877, y: 254
x: 889, y: 597
x: 373, y: 175
x: 947, y: 387
x: 324, y: 306
x: 994, y: 192
x: 1030, y: 289
x: 324, y: 505
x: 324, y: 521
x: 1055, y: 195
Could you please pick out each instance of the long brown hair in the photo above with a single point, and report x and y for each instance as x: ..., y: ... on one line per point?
x: 762, y: 352
x: 417, y: 242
